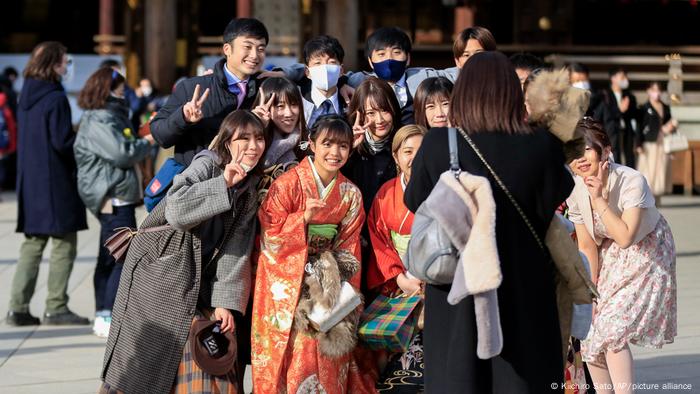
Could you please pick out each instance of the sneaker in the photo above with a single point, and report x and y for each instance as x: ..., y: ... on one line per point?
x: 101, y: 326
x: 21, y: 319
x: 66, y: 318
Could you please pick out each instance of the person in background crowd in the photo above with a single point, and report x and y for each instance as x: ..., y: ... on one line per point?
x: 432, y: 102
x: 617, y: 111
x: 633, y: 261
x: 8, y: 138
x: 656, y: 123
x: 525, y: 64
x: 106, y: 151
x: 48, y: 204
x: 323, y: 57
x: 198, y: 268
x: 192, y: 116
x: 309, y: 210
x: 389, y: 223
x: 146, y: 95
x: 7, y: 82
x: 487, y: 104
x: 579, y: 77
x: 129, y: 93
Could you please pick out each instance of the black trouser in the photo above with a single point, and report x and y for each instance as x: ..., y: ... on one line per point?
x: 622, y: 142
x: 107, y: 271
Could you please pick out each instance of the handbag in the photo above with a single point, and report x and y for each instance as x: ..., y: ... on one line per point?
x: 390, y: 322
x: 431, y: 257
x: 161, y: 182
x: 118, y: 243
x: 675, y: 142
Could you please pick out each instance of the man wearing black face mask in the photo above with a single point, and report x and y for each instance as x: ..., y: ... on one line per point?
x: 388, y: 52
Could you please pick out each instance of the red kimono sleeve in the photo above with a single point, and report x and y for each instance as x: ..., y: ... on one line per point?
x: 385, y: 263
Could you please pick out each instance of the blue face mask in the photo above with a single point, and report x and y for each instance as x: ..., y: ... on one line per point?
x: 390, y: 70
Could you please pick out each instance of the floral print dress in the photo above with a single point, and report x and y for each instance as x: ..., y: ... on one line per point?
x: 637, y: 289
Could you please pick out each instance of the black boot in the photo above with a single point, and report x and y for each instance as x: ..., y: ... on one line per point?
x: 21, y: 319
x: 66, y: 318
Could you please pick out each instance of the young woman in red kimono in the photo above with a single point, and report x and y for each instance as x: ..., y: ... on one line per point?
x: 309, y: 209
x: 389, y: 223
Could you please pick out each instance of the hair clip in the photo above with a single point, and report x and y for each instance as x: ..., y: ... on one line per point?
x: 304, y: 145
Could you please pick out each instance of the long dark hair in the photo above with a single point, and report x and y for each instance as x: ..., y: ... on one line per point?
x: 288, y: 92
x: 382, y: 96
x: 488, y: 97
x: 44, y: 58
x: 428, y: 90
x: 231, y: 126
x: 98, y: 87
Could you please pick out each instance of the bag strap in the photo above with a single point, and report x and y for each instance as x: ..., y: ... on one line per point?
x: 505, y: 190
x: 454, y: 155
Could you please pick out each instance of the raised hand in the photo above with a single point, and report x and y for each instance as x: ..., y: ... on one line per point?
x: 312, y: 206
x: 234, y: 172
x: 358, y: 131
x: 346, y: 92
x: 192, y: 111
x: 263, y: 109
x: 595, y: 183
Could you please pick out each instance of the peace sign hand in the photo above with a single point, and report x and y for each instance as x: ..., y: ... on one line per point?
x: 234, y: 172
x: 312, y: 206
x: 263, y: 109
x: 358, y: 131
x: 595, y: 183
x: 192, y: 110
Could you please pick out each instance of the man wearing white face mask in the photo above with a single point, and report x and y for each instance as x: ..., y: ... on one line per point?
x: 617, y: 111
x: 323, y: 58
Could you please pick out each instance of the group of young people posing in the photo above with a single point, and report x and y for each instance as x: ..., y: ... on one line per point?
x: 280, y: 174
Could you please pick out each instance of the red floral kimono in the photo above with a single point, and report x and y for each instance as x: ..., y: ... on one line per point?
x: 286, y: 360
x: 389, y: 224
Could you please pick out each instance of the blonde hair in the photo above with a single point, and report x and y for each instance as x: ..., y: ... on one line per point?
x: 405, y: 133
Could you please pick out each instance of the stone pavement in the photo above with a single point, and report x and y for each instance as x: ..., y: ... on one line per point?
x: 68, y: 359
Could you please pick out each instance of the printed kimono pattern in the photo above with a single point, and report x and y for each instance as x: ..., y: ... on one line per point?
x: 284, y: 359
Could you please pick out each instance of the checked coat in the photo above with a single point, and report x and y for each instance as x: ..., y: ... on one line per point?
x: 162, y: 283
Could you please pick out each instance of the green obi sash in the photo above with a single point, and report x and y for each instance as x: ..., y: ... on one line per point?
x: 400, y: 242
x: 328, y: 231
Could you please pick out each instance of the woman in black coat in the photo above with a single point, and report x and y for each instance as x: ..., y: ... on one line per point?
x: 47, y: 195
x: 487, y: 104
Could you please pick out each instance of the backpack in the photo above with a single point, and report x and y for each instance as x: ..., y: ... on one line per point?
x: 161, y: 183
x: 431, y: 256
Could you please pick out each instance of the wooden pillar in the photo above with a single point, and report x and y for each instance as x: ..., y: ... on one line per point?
x: 243, y: 8
x: 342, y: 23
x: 160, y: 40
x: 106, y: 19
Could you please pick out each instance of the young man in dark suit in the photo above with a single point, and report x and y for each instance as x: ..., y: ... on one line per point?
x: 192, y: 115
x: 617, y: 110
x: 323, y: 59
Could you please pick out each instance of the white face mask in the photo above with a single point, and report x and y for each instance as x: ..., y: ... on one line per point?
x: 146, y: 90
x: 582, y: 85
x: 624, y: 84
x: 324, y: 76
x: 70, y: 71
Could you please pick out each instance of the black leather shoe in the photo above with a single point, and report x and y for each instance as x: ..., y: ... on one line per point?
x: 67, y: 318
x: 21, y: 319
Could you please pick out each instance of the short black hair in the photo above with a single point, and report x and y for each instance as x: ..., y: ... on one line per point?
x: 110, y: 63
x: 9, y: 70
x: 616, y: 70
x: 245, y: 27
x: 323, y: 45
x: 387, y: 37
x: 526, y: 61
x: 578, y: 68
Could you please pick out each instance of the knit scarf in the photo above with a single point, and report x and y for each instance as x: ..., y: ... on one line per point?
x: 376, y: 146
x: 281, y: 148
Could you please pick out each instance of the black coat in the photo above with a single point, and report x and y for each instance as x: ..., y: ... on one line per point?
x: 608, y: 112
x: 532, y: 167
x: 169, y: 127
x: 651, y: 122
x: 47, y: 193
